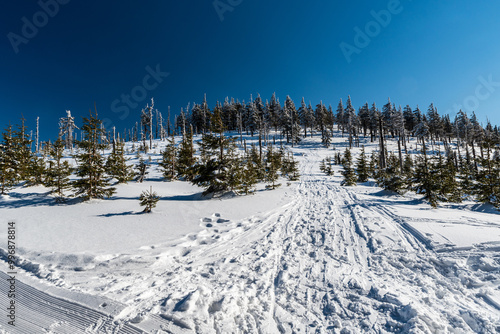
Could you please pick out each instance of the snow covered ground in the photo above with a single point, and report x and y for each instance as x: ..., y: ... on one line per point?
x: 311, y: 257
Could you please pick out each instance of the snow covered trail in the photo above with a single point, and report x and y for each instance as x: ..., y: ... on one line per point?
x: 328, y: 262
x: 40, y: 312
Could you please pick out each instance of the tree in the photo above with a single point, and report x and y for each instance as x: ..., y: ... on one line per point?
x: 66, y: 127
x: 326, y: 166
x: 116, y: 165
x: 272, y: 166
x: 169, y: 160
x: 425, y: 181
x: 25, y: 160
x: 390, y: 178
x: 141, y: 170
x: 149, y: 199
x: 8, y: 174
x: 289, y: 167
x: 92, y: 182
x: 350, y: 177
x: 59, y: 171
x: 362, y: 168
x: 185, y: 156
x: 217, y: 170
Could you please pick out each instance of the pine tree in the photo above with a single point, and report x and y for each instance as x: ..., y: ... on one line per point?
x: 37, y: 171
x: 217, y: 171
x: 116, y: 165
x: 390, y: 178
x: 350, y: 177
x: 185, y: 156
x: 141, y: 170
x: 149, y: 199
x: 487, y: 189
x: 169, y: 160
x: 8, y: 174
x: 23, y: 155
x: 59, y: 171
x: 362, y: 168
x: 272, y: 167
x: 250, y: 172
x: 425, y: 181
x: 408, y: 172
x: 449, y: 190
x: 326, y: 166
x: 92, y: 182
x: 258, y: 166
x: 289, y: 167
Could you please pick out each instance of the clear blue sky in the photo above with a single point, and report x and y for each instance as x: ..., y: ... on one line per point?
x: 95, y: 51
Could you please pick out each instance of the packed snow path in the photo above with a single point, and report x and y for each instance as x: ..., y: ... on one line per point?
x: 328, y: 262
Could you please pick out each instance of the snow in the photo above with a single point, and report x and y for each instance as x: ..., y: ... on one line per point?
x: 310, y: 257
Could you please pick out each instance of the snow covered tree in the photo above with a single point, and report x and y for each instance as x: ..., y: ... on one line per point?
x: 289, y: 167
x: 362, y: 168
x: 148, y: 200
x: 272, y: 166
x: 92, y: 182
x: 57, y: 177
x: 348, y: 172
x: 66, y: 127
x: 169, y: 160
x: 254, y: 157
x: 425, y: 181
x: 218, y: 167
x: 116, y: 165
x: 390, y: 178
x: 326, y: 166
x: 8, y: 174
x: 449, y: 190
x: 185, y: 156
x: 274, y: 112
x: 141, y: 170
x: 25, y: 160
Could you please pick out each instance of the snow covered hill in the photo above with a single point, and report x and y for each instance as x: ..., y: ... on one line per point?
x: 311, y: 257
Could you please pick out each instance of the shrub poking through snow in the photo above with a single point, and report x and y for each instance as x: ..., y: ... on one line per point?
x: 148, y: 199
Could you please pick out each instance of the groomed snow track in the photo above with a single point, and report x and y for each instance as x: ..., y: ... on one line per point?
x: 40, y: 312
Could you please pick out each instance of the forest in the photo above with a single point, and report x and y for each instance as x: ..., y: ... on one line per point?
x: 452, y: 160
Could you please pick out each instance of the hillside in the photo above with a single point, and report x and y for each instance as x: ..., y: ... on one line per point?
x: 310, y: 257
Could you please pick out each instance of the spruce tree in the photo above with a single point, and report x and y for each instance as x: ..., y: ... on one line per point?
x: 93, y: 181
x: 350, y: 177
x: 185, y: 156
x: 219, y: 163
x: 326, y: 166
x: 141, y: 170
x: 362, y: 168
x: 116, y: 165
x: 425, y: 181
x: 407, y: 172
x: 37, y: 171
x: 391, y: 178
x: 169, y: 160
x: 258, y: 166
x: 487, y: 188
x: 272, y: 167
x: 449, y: 190
x: 149, y: 199
x: 8, y: 174
x: 23, y: 155
x: 289, y: 167
x: 59, y: 171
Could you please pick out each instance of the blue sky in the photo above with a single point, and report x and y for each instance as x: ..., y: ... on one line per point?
x: 444, y: 52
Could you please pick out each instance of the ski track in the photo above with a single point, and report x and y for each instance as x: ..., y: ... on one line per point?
x: 328, y: 262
